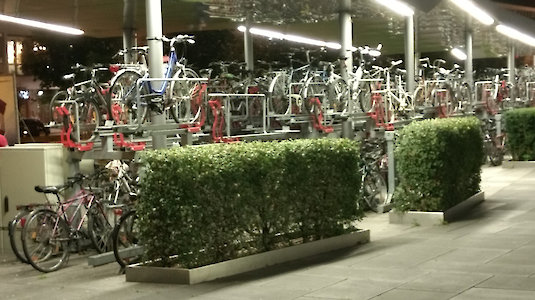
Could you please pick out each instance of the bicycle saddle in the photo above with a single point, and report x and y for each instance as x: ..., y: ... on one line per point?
x: 47, y: 189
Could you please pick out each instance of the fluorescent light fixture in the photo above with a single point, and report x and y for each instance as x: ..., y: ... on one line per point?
x: 515, y: 34
x: 473, y: 10
x: 41, y: 25
x: 459, y: 54
x: 290, y: 37
x: 397, y: 6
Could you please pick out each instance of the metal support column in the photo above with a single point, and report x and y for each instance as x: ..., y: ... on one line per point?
x: 4, y: 66
x: 511, y: 67
x: 346, y: 36
x: 468, y: 63
x: 129, y: 13
x: 409, y: 53
x: 154, y: 34
x: 248, y: 45
x: 389, y: 136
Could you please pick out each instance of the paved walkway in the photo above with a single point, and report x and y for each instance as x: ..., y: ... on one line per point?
x: 488, y: 255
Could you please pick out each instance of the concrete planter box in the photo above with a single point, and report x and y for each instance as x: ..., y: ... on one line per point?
x: 511, y: 164
x: 436, y: 218
x: 140, y: 273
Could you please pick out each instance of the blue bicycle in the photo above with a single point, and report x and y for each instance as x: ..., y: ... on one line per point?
x: 171, y: 97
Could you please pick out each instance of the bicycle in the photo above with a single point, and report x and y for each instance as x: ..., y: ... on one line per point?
x: 374, y: 188
x: 49, y: 236
x: 86, y: 103
x: 16, y: 225
x: 172, y: 98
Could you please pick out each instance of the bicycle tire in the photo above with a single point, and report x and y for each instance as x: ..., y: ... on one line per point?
x: 495, y: 152
x: 99, y: 228
x: 181, y: 100
x: 15, y: 227
x: 125, y: 235
x: 338, y: 95
x: 89, y: 119
x: 375, y: 190
x: 123, y: 98
x: 365, y: 97
x: 58, y: 100
x: 315, y: 86
x: 278, y: 100
x: 45, y: 241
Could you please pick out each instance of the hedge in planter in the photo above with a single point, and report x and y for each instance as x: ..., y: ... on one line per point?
x: 521, y: 133
x: 217, y: 202
x: 438, y: 163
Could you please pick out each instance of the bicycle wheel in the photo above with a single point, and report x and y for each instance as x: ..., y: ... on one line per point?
x: 375, y: 190
x: 15, y: 235
x: 58, y: 100
x: 315, y: 86
x: 278, y: 102
x: 89, y: 119
x: 180, y: 101
x: 338, y: 95
x: 365, y: 97
x: 126, y: 247
x: 45, y: 241
x: 123, y: 100
x: 494, y: 150
x: 99, y: 228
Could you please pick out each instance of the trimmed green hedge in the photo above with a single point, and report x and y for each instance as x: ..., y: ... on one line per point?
x: 438, y: 163
x: 521, y: 133
x: 217, y: 202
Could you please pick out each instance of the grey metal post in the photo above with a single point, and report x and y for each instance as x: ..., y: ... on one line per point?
x: 468, y: 63
x: 154, y: 33
x: 346, y: 36
x: 409, y: 53
x: 511, y: 67
x: 248, y: 45
x: 4, y: 66
x: 129, y: 12
x: 389, y: 136
x: 498, y: 119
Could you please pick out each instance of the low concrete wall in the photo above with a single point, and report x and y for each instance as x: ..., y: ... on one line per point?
x: 422, y: 218
x: 140, y: 273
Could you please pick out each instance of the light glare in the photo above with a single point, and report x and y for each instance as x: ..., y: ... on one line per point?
x: 397, y: 6
x: 515, y: 34
x: 459, y: 54
x: 476, y: 12
x: 42, y: 25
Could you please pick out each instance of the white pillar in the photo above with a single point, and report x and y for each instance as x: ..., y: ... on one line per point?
x: 154, y: 33
x: 409, y: 53
x: 468, y: 63
x: 129, y: 12
x: 346, y: 36
x: 511, y: 66
x: 248, y: 45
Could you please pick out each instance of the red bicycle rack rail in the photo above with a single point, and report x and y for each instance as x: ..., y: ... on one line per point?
x: 219, y: 122
x: 317, y: 118
x: 66, y: 131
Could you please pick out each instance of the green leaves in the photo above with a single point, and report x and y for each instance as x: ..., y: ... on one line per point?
x: 216, y: 202
x: 521, y: 133
x: 438, y: 163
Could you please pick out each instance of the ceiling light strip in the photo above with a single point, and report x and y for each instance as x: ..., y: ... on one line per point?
x: 41, y: 25
x: 474, y: 11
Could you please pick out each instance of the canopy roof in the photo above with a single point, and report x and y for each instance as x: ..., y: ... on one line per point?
x: 440, y: 24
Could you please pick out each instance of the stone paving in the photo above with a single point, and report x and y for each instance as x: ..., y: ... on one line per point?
x: 489, y: 254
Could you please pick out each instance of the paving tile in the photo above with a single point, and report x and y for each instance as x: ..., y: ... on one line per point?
x: 521, y: 256
x: 446, y: 281
x: 354, y: 289
x: 494, y: 294
x: 398, y: 294
x: 248, y: 292
x: 509, y: 283
x: 301, y: 282
x: 464, y: 256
